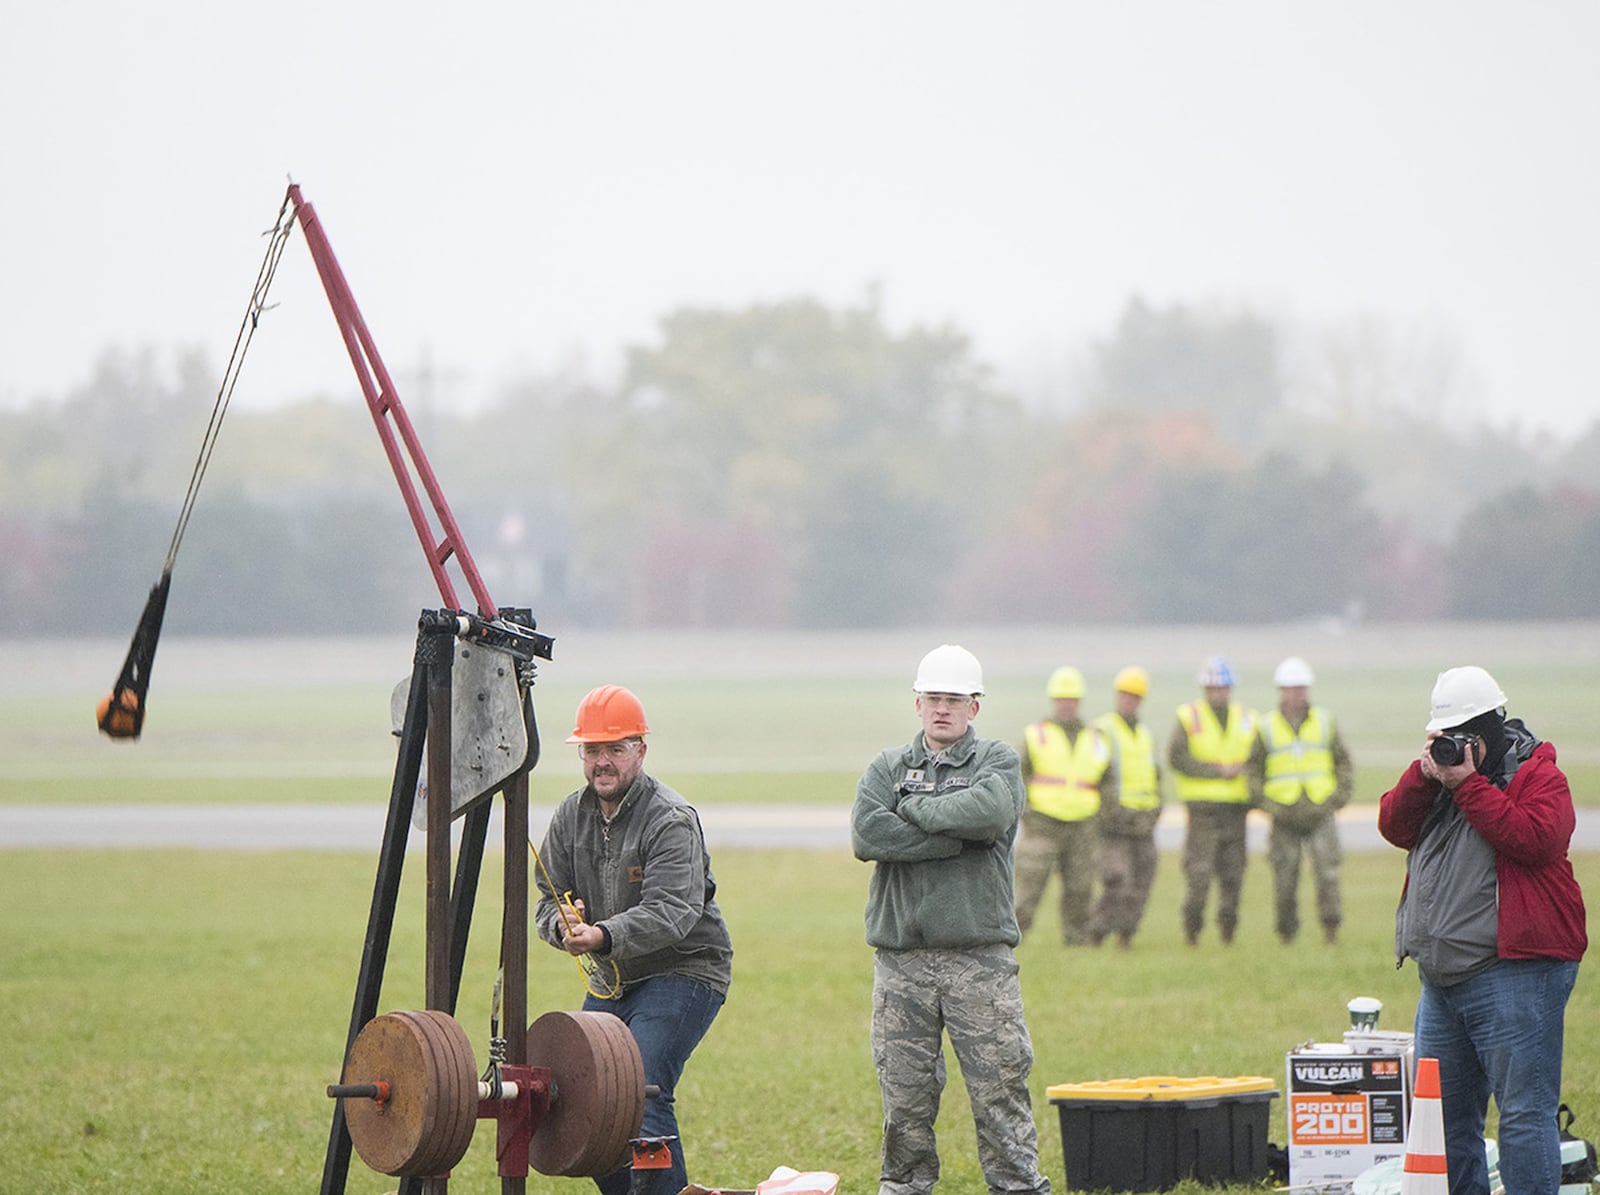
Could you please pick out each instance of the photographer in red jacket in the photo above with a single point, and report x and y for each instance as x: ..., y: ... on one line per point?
x: 1493, y: 917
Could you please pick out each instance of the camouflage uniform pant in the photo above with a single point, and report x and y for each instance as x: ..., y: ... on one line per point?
x: 1046, y: 844
x: 1213, y: 849
x: 1127, y: 869
x: 974, y: 996
x: 1320, y: 841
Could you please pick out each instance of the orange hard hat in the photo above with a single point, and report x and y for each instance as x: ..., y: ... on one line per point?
x: 608, y: 715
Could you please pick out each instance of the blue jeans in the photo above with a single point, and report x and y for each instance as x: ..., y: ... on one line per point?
x: 667, y: 1015
x: 1500, y: 1033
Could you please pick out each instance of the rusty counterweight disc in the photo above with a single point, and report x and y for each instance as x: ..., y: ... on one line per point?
x: 599, y: 1093
x: 426, y: 1125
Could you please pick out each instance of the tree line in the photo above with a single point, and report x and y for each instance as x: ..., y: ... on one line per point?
x: 795, y: 464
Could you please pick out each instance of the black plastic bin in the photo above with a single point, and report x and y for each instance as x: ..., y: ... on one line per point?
x: 1150, y: 1134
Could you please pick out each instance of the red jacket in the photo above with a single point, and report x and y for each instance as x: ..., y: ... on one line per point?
x: 1529, y: 825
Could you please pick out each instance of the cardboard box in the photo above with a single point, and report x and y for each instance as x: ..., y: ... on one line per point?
x: 1347, y: 1106
x: 785, y: 1180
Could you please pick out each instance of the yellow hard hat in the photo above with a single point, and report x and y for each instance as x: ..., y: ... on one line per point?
x: 1065, y: 682
x: 1132, y: 679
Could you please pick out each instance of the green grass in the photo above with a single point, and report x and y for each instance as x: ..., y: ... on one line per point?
x: 738, y: 717
x: 170, y: 1018
x: 703, y: 788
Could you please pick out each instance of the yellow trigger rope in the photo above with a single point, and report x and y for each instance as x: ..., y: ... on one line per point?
x: 588, y: 966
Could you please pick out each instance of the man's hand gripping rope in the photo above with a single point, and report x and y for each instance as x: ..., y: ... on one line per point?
x: 580, y: 940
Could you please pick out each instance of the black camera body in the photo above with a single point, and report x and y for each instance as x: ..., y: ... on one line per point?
x: 1449, y: 750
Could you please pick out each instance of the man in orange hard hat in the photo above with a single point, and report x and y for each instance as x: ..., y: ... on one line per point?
x: 632, y: 854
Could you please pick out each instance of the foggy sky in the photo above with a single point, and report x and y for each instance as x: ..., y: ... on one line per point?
x: 517, y: 184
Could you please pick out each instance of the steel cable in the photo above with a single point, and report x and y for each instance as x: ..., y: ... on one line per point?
x: 279, y: 234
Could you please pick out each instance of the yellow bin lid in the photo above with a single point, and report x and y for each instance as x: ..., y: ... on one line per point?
x: 1160, y: 1087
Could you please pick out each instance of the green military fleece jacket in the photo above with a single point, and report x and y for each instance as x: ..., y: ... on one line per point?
x: 940, y: 829
x: 644, y: 877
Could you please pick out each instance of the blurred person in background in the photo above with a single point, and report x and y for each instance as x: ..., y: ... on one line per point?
x: 1207, y: 753
x: 1066, y: 769
x: 631, y: 852
x: 1494, y: 919
x: 1301, y: 774
x: 1128, y: 812
x: 937, y: 818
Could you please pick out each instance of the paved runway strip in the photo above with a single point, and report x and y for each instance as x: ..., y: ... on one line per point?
x: 360, y: 827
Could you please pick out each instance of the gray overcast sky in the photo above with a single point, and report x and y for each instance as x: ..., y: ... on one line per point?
x: 518, y: 183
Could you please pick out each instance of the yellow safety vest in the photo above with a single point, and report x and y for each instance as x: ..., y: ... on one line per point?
x: 1299, y: 761
x: 1138, y: 784
x: 1065, y: 783
x: 1210, y: 742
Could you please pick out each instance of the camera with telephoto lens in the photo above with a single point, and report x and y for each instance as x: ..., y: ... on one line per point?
x: 1449, y: 750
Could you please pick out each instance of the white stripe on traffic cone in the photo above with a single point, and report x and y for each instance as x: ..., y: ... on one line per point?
x: 1424, y: 1172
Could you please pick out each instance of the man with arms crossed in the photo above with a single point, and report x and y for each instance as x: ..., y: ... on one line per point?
x: 937, y: 817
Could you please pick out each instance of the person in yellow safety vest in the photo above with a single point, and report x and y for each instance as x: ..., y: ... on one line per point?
x: 1301, y: 774
x: 1128, y: 822
x: 1208, y: 751
x: 1066, y: 767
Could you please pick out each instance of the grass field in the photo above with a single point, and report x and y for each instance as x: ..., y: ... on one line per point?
x: 273, y: 720
x: 170, y: 1019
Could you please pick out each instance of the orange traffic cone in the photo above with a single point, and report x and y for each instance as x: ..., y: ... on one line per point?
x: 1424, y: 1172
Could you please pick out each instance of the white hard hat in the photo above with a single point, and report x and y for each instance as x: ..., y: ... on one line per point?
x: 1292, y: 672
x: 1461, y: 694
x: 949, y: 669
